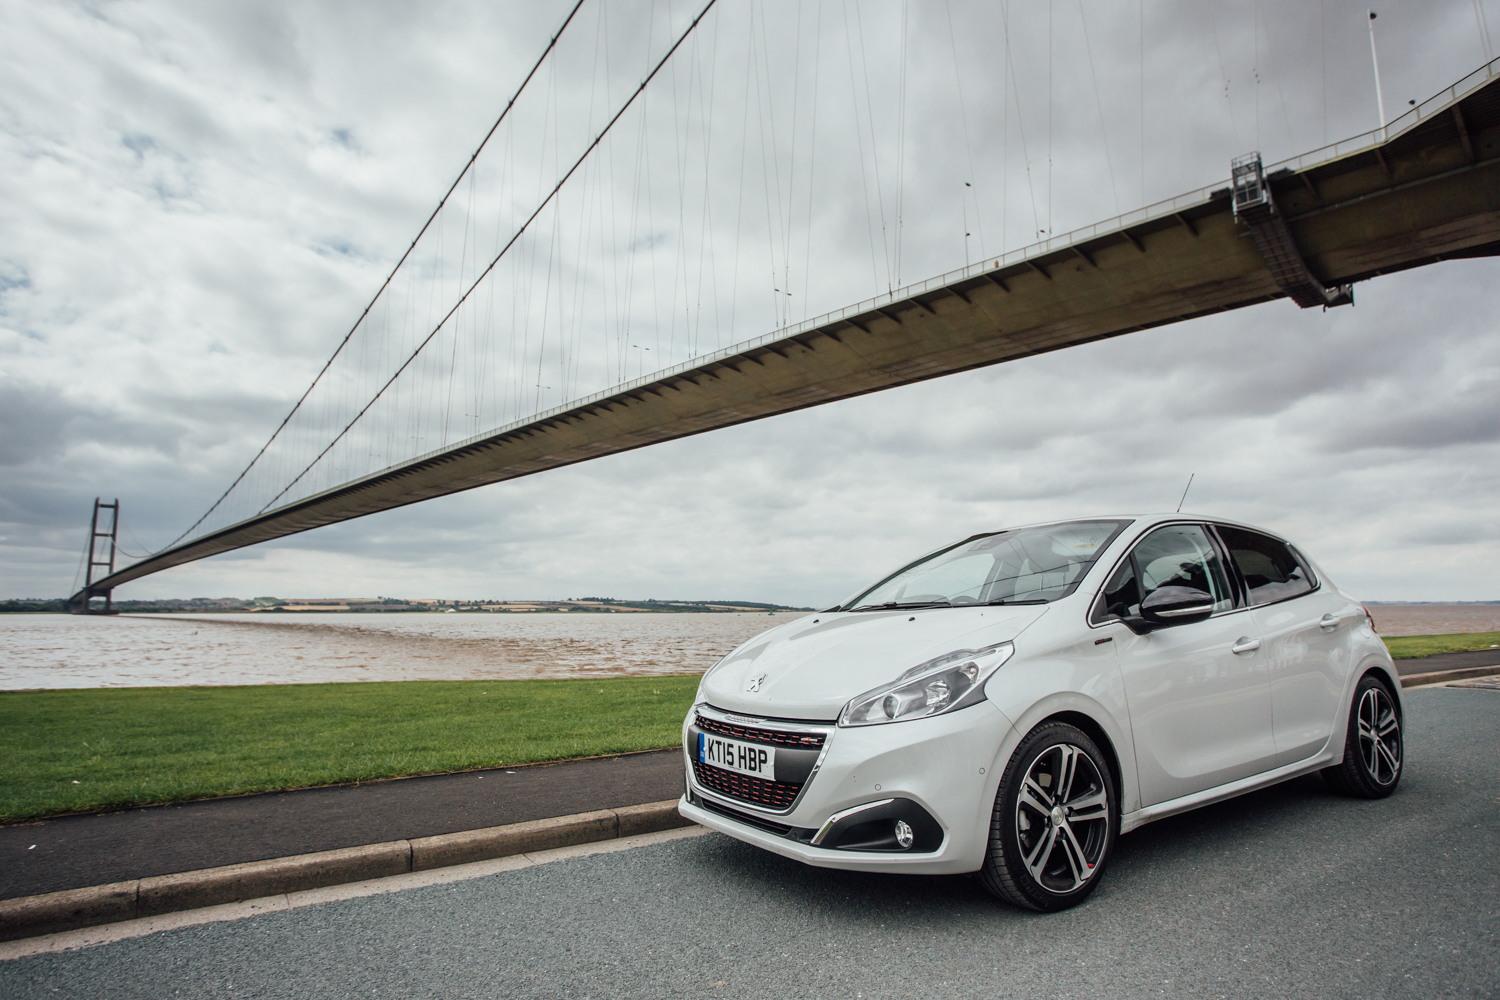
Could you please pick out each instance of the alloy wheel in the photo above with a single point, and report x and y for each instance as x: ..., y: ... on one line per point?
x: 1379, y: 736
x: 1062, y: 818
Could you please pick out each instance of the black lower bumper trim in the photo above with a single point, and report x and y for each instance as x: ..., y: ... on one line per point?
x: 798, y: 833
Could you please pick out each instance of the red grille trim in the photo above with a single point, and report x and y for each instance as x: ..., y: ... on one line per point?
x: 772, y: 794
x: 803, y: 741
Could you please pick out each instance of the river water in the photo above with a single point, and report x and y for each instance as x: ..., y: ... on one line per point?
x: 78, y: 651
x: 1435, y: 619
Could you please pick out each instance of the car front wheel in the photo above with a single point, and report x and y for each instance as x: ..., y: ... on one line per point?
x: 1373, y: 746
x: 1054, y: 821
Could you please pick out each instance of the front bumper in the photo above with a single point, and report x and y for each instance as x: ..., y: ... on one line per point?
x: 945, y: 766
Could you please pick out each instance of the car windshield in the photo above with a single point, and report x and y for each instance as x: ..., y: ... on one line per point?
x: 1024, y: 565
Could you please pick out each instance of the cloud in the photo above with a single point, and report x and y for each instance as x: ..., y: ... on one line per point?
x: 200, y: 198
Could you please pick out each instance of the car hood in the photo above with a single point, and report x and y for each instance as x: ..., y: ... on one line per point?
x: 810, y: 668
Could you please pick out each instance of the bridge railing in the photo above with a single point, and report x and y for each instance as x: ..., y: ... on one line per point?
x: 1041, y: 248
x: 1409, y: 119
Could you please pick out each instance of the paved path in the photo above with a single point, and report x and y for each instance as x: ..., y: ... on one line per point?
x: 77, y: 851
x: 1449, y: 661
x: 1290, y: 892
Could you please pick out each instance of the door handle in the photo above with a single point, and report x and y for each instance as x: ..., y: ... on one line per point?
x: 1245, y: 645
x: 1329, y: 622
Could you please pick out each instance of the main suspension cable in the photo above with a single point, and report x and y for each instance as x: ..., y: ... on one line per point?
x: 551, y: 44
x: 485, y: 273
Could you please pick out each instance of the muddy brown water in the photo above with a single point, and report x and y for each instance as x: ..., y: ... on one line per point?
x: 70, y: 651
x: 1435, y: 619
x: 79, y: 651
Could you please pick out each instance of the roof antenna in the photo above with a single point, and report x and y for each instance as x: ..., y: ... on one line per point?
x: 1375, y: 61
x: 1184, y: 492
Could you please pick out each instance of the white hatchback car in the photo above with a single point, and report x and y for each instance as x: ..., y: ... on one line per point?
x: 1009, y: 704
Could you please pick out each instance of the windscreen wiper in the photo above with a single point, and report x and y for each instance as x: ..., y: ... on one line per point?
x: 1009, y: 603
x: 893, y: 606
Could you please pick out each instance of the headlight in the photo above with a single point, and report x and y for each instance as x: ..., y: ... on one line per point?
x: 953, y: 680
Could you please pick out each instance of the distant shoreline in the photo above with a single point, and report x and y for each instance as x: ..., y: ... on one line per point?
x: 469, y: 611
x: 588, y: 605
x: 354, y: 605
x: 1430, y: 604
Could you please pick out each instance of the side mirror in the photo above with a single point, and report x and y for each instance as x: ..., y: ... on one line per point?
x: 1176, y: 606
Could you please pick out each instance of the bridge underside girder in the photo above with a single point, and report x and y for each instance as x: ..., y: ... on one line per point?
x: 1429, y: 194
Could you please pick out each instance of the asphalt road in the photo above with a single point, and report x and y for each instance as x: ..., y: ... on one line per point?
x: 74, y: 851
x: 1290, y: 892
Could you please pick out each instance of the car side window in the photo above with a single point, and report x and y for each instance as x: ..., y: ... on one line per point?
x: 1121, y: 596
x: 1177, y: 555
x: 1312, y: 576
x: 1270, y: 571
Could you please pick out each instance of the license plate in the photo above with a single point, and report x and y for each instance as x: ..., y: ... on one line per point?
x: 741, y: 758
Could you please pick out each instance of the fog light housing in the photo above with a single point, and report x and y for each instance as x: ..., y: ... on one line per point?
x: 904, y: 834
x: 889, y: 825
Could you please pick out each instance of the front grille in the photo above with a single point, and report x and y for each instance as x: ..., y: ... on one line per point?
x: 805, y: 741
x: 771, y: 794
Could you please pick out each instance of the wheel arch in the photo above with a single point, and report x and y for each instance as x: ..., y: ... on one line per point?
x: 1388, y: 677
x: 1384, y: 671
x: 1110, y: 730
x: 1100, y: 736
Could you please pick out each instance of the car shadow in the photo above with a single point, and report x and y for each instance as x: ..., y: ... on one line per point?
x: 1159, y: 854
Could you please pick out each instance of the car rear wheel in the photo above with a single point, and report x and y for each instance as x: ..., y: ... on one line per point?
x: 1054, y: 821
x: 1373, y: 746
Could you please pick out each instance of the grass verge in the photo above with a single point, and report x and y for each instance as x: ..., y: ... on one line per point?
x: 85, y: 750
x: 1408, y: 647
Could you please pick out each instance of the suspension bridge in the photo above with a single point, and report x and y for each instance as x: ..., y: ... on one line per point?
x: 1421, y: 189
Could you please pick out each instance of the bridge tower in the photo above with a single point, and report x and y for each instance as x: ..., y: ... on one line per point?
x: 86, y: 607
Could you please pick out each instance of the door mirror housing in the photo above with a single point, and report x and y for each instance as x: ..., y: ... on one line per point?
x: 1176, y: 606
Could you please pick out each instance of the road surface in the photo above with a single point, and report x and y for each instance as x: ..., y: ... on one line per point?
x: 1290, y: 892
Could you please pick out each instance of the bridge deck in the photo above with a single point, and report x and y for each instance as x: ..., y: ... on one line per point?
x: 1424, y: 190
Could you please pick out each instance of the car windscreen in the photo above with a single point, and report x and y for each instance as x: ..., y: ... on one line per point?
x: 1024, y: 565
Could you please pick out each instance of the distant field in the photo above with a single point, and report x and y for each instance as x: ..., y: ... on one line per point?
x: 1406, y: 647
x: 84, y: 750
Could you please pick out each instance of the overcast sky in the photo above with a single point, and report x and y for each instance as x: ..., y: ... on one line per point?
x: 197, y: 200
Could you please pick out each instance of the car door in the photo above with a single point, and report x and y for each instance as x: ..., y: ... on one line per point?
x: 1304, y: 633
x: 1198, y: 693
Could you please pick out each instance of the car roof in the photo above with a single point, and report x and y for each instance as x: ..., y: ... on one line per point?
x: 1214, y: 518
x: 1147, y: 520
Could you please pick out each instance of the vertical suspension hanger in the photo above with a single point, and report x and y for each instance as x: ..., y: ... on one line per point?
x: 1375, y: 63
x: 1050, y: 228
x: 901, y: 143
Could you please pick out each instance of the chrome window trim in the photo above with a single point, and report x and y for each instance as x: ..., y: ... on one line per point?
x: 1307, y: 567
x: 719, y: 715
x: 1191, y: 609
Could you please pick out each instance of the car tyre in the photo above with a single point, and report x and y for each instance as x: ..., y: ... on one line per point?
x: 1054, y: 823
x: 1374, y: 749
